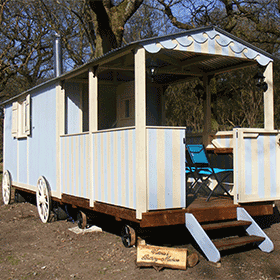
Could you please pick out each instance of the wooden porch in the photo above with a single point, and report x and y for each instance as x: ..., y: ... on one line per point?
x: 219, y: 208
x: 216, y: 209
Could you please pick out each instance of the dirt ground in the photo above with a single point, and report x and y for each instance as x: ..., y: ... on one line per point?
x: 30, y: 249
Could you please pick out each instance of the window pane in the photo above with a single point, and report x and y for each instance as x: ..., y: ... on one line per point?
x: 127, y: 108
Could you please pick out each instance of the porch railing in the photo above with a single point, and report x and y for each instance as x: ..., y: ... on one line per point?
x: 166, y: 167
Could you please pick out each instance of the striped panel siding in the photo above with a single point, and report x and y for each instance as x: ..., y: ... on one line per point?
x: 223, y: 141
x: 9, y: 146
x: 260, y: 165
x: 22, y: 161
x: 42, y: 146
x: 165, y: 168
x: 114, y: 167
x: 273, y: 165
x: 248, y: 162
x: 236, y: 167
x: 74, y: 162
x: 73, y: 105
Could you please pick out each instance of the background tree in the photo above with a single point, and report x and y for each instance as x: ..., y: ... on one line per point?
x: 24, y: 50
x: 90, y: 28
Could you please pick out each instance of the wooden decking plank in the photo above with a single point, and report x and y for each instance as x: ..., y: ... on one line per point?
x: 75, y: 201
x: 163, y: 218
x: 259, y: 208
x: 227, y: 224
x: 116, y: 211
x: 216, y: 209
x: 233, y: 242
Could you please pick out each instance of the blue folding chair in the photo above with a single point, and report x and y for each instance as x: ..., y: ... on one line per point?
x: 198, y: 166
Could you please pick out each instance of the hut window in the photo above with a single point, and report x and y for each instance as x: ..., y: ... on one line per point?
x: 21, y: 118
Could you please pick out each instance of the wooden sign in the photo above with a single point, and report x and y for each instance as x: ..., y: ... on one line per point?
x: 161, y: 257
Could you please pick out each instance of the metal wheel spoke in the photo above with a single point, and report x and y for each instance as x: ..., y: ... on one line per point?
x: 45, y: 210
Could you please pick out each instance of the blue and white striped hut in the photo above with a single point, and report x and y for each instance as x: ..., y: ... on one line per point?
x: 96, y: 138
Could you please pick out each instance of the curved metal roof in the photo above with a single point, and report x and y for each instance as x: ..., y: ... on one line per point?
x: 207, y: 50
x: 208, y: 40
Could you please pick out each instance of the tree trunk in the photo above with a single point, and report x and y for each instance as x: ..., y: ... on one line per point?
x: 109, y: 21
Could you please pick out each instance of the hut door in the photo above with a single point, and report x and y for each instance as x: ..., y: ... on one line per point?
x: 256, y: 165
x: 125, y: 105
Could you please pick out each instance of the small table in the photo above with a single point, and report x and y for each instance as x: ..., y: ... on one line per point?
x: 220, y: 150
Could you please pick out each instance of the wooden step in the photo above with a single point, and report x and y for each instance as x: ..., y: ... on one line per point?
x: 227, y: 224
x: 233, y: 242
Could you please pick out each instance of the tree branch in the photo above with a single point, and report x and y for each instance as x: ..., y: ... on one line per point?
x: 168, y: 12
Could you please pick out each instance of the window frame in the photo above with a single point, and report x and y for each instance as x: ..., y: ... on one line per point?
x: 21, y: 119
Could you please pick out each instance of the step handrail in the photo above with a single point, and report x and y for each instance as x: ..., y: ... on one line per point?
x: 254, y: 229
x: 201, y: 238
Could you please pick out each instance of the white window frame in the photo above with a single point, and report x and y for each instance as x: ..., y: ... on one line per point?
x: 21, y: 118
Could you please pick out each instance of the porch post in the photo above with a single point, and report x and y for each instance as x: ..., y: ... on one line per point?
x: 207, y: 111
x: 60, y: 130
x: 268, y: 98
x: 93, y: 100
x: 60, y: 108
x: 140, y: 132
x: 93, y: 123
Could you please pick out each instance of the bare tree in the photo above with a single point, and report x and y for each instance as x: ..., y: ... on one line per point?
x: 25, y: 50
x: 90, y: 28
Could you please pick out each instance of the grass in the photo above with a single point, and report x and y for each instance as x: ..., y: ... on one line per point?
x: 12, y: 260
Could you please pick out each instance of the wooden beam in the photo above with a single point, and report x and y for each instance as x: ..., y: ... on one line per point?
x: 62, y: 109
x: 80, y: 81
x: 93, y: 123
x: 171, y: 70
x: 75, y: 73
x: 93, y: 100
x: 60, y: 130
x: 24, y: 190
x: 194, y: 60
x: 75, y: 201
x: 115, y: 55
x: 220, y: 150
x: 163, y: 70
x: 268, y: 98
x: 163, y: 218
x: 214, y: 214
x: 241, y: 65
x: 116, y: 68
x: 207, y: 111
x: 259, y: 208
x: 140, y: 132
x: 120, y: 213
x: 171, y: 60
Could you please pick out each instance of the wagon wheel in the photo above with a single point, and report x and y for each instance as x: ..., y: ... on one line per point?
x: 82, y: 219
x: 43, y: 199
x: 128, y: 236
x: 6, y: 187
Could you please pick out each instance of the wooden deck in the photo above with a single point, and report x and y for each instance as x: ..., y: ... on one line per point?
x: 216, y: 209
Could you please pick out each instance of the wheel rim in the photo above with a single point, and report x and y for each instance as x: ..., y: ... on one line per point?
x: 128, y: 236
x: 82, y: 220
x: 6, y: 187
x: 43, y: 200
